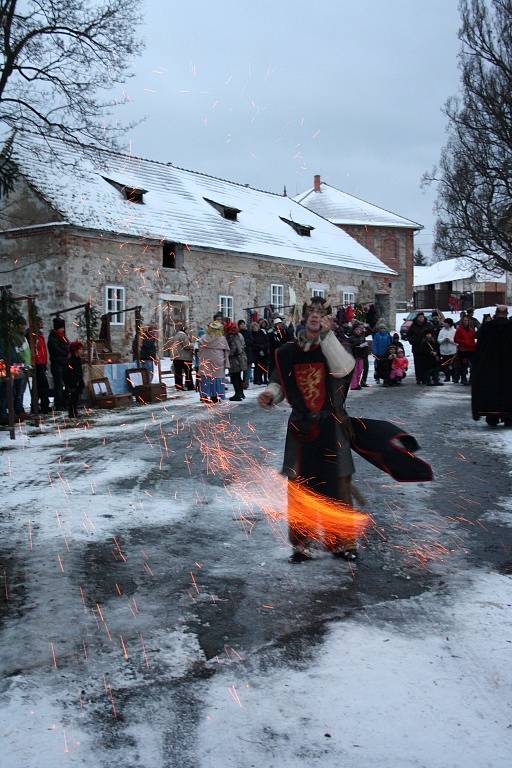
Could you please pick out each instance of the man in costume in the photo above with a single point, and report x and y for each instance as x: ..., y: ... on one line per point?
x: 491, y: 375
x: 313, y: 373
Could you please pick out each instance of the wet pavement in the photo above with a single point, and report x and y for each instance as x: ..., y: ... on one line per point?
x: 133, y: 578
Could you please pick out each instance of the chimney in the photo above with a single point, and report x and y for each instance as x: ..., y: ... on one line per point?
x: 316, y: 182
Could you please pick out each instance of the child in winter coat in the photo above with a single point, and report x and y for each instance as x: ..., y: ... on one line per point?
x: 73, y: 378
x: 399, y: 366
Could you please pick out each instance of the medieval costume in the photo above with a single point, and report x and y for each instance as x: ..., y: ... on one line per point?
x: 491, y: 378
x: 314, y: 376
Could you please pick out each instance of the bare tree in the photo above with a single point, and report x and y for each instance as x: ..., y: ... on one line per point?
x: 58, y: 58
x: 474, y: 178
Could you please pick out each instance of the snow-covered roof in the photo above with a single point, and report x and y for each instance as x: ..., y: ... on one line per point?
x: 454, y: 269
x: 341, y: 208
x: 175, y: 207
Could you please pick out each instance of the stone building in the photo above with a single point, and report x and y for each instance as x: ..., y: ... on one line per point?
x: 123, y: 231
x: 389, y: 236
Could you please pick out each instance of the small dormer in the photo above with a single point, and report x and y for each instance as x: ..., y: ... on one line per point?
x: 304, y: 230
x: 132, y: 194
x: 225, y: 210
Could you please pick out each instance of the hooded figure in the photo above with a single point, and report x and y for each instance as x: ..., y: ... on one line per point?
x: 491, y: 378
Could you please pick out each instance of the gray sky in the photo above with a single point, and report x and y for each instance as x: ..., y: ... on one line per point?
x: 271, y: 92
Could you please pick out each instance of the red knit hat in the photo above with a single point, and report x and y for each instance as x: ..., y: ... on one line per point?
x: 231, y: 327
x: 75, y: 346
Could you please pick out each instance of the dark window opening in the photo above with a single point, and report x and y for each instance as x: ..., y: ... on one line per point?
x: 304, y: 230
x: 225, y: 210
x: 132, y: 194
x: 169, y: 256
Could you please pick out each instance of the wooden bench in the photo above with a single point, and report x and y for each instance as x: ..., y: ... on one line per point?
x: 103, y: 397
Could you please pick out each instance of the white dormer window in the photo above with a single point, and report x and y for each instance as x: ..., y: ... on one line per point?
x: 226, y: 211
x: 304, y: 230
x: 132, y: 194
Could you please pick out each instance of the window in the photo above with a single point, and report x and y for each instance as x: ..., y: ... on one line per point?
x: 277, y: 297
x: 318, y: 292
x: 132, y: 194
x: 304, y: 230
x: 226, y: 307
x: 169, y: 256
x: 225, y: 210
x: 115, y: 302
x: 348, y: 298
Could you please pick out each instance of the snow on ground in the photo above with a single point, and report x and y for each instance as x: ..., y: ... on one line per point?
x: 435, y: 695
x: 422, y: 682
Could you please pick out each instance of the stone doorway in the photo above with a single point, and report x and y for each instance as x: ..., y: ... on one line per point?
x: 172, y: 311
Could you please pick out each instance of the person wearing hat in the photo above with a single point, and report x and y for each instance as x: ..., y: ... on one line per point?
x: 260, y: 346
x: 276, y: 338
x: 58, y: 350
x: 213, y: 358
x: 73, y: 378
x: 313, y: 373
x: 237, y: 359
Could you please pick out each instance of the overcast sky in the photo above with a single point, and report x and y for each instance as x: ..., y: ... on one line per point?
x: 270, y: 92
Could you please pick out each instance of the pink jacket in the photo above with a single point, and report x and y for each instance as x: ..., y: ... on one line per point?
x: 400, y: 364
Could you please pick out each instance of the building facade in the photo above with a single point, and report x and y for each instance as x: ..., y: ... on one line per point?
x: 389, y: 236
x: 122, y: 232
x: 456, y: 284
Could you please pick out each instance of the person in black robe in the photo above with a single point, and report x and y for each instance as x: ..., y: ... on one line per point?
x: 491, y: 375
x: 313, y: 373
x: 73, y: 378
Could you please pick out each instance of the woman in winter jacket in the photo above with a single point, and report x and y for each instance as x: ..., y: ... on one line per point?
x: 260, y: 351
x: 415, y: 335
x: 360, y: 353
x: 465, y: 339
x: 213, y: 357
x: 237, y: 359
x: 448, y: 349
x: 182, y: 353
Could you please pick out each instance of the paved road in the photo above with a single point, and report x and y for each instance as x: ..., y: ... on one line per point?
x: 132, y: 584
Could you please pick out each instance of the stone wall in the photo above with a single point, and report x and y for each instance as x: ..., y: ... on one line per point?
x: 74, y: 266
